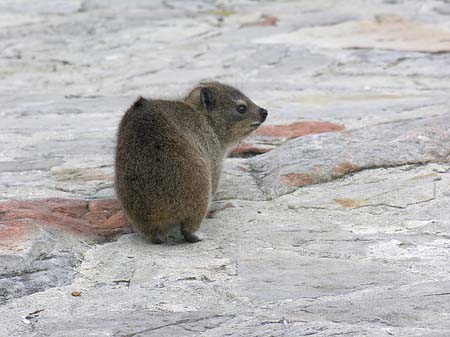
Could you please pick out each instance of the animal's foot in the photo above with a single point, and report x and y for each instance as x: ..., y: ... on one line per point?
x: 191, y: 237
x: 158, y: 238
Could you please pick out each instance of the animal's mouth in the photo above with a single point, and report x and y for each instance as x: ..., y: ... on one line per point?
x: 254, y: 125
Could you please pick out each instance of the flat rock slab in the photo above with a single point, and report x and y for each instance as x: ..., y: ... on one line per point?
x: 332, y: 270
x: 97, y: 217
x: 42, y: 241
x: 321, y: 158
x: 385, y: 32
x: 331, y: 219
x: 267, y: 137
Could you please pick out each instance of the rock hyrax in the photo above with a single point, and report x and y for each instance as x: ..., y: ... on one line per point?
x: 169, y: 156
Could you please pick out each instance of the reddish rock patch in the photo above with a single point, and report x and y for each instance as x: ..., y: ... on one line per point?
x: 264, y: 21
x: 103, y: 205
x: 297, y: 129
x: 350, y: 203
x: 246, y: 150
x: 297, y: 179
x: 98, y: 217
x: 104, y: 218
x: 12, y: 234
x: 344, y: 168
x: 211, y: 214
x: 245, y: 168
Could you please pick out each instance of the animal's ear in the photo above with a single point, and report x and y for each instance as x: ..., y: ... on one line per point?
x: 206, y: 98
x: 139, y: 102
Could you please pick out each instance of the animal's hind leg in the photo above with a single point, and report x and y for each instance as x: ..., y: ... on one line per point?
x: 196, y: 201
x: 190, y: 226
x: 155, y: 235
x: 158, y: 237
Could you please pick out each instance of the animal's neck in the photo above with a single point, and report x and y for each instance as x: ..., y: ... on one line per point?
x: 221, y: 133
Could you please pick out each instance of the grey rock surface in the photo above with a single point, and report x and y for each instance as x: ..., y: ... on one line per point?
x: 324, y: 157
x: 333, y: 234
x: 51, y: 260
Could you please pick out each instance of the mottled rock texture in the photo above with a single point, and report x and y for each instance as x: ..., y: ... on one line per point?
x: 331, y: 219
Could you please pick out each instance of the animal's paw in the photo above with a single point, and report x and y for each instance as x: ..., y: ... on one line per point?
x: 191, y: 237
x: 158, y: 238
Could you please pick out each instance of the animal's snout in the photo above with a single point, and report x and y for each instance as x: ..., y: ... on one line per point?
x: 263, y: 112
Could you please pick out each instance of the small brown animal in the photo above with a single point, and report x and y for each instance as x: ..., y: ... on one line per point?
x: 169, y: 156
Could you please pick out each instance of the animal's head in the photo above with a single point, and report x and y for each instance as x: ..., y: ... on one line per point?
x: 232, y: 114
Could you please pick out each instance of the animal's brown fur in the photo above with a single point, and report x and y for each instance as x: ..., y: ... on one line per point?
x: 169, y: 156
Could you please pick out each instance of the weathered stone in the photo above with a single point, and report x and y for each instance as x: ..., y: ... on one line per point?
x: 385, y: 32
x: 321, y: 263
x: 264, y: 20
x: 245, y: 150
x: 104, y: 205
x: 268, y: 136
x: 99, y: 217
x: 217, y: 207
x: 320, y: 158
x: 237, y: 182
x: 297, y: 129
x: 319, y: 236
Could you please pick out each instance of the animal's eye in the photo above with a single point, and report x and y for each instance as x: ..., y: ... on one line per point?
x: 242, y: 108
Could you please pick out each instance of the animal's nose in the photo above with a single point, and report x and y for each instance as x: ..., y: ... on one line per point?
x: 263, y: 112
